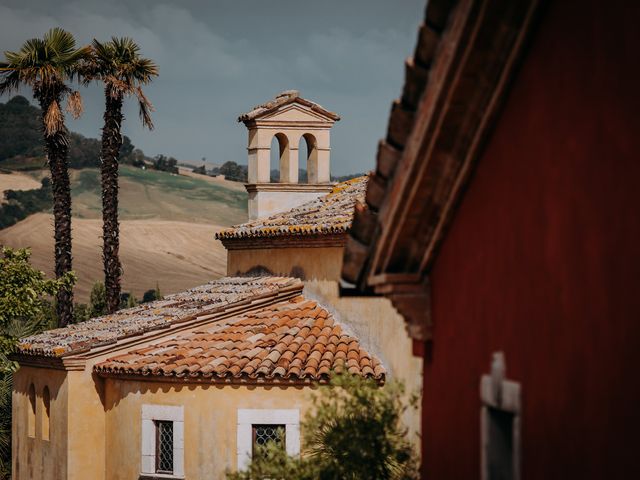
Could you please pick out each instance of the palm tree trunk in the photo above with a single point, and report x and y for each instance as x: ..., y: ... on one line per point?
x: 57, y: 150
x: 111, y: 143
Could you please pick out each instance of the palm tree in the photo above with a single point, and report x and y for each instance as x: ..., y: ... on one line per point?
x: 46, y: 65
x: 123, y: 71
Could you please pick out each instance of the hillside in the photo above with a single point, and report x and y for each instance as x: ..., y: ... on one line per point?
x: 167, y: 228
x: 177, y: 255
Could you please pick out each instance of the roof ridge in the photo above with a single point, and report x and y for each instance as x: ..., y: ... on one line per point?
x: 191, y: 307
x: 329, y: 214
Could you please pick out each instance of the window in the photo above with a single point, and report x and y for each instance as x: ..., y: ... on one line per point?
x: 264, y: 434
x: 162, y: 441
x: 500, y: 444
x: 164, y: 446
x: 500, y: 423
x: 46, y: 413
x: 31, y: 420
x: 261, y: 426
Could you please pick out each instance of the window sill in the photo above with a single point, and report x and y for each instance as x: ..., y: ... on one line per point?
x: 160, y: 476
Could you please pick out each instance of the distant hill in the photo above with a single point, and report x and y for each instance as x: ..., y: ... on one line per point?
x: 168, y: 223
x: 21, y: 140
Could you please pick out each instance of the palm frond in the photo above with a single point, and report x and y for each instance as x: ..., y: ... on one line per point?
x: 144, y: 109
x: 60, y: 42
x: 53, y: 119
x: 74, y: 104
x: 119, y: 65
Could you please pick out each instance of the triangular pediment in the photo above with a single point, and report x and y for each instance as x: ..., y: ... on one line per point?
x: 296, y: 112
x: 289, y: 106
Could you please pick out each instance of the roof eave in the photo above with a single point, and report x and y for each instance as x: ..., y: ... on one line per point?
x: 453, y: 91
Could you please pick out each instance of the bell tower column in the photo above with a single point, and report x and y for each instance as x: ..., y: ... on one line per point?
x: 259, y: 150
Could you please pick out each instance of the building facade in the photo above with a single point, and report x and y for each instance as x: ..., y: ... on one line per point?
x: 502, y: 223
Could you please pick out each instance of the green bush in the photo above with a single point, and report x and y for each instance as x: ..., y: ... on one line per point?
x: 354, y: 432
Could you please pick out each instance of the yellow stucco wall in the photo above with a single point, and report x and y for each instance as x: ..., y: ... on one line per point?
x: 86, y: 425
x: 307, y: 263
x: 381, y: 330
x: 35, y: 457
x: 210, y: 422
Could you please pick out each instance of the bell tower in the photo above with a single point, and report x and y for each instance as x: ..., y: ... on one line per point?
x: 296, y: 123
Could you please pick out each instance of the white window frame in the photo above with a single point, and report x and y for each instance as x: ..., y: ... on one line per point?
x: 290, y: 418
x: 150, y: 414
x: 501, y: 394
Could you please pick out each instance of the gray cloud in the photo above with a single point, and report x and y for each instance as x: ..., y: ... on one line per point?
x: 219, y: 58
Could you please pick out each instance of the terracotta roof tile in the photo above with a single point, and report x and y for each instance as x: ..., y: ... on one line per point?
x: 329, y: 214
x: 207, y: 299
x: 306, y: 354
x: 284, y: 98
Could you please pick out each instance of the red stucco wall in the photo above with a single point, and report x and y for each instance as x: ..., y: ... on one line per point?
x: 542, y: 260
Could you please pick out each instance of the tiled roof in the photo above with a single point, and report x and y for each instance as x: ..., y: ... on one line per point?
x: 284, y: 98
x: 207, y: 299
x: 329, y: 214
x: 295, y: 339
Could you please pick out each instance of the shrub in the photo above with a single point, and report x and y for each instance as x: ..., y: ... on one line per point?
x: 354, y: 432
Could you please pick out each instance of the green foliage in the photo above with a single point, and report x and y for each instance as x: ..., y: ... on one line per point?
x: 81, y: 312
x: 23, y: 288
x: 202, y: 170
x: 97, y: 300
x: 354, y: 433
x: 165, y: 164
x: 127, y: 300
x: 152, y: 294
x: 232, y: 171
x: 22, y: 203
x: 21, y: 141
x: 131, y: 301
x: 20, y: 129
x: 24, y: 310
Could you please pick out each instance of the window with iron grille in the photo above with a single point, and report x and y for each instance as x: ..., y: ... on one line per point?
x: 264, y: 434
x: 164, y: 446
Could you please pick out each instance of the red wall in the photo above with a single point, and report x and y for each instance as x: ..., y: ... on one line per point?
x: 542, y: 260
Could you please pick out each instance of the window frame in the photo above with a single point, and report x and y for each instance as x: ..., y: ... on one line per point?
x: 247, y: 418
x: 151, y: 414
x: 501, y: 395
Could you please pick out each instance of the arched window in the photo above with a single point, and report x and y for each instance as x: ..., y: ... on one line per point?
x: 46, y: 413
x: 280, y: 158
x: 309, y: 157
x: 31, y: 419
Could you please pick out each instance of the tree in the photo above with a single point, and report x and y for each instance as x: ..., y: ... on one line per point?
x: 46, y: 65
x: 24, y: 310
x: 165, y: 164
x: 97, y: 300
x: 354, y: 432
x: 119, y: 66
x: 202, y: 170
x: 233, y: 171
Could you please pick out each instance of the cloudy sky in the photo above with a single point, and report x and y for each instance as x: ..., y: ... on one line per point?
x: 219, y: 58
